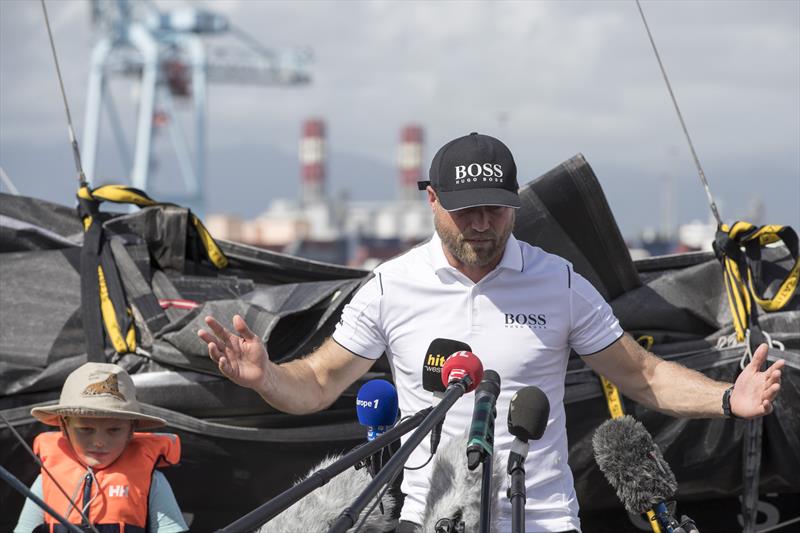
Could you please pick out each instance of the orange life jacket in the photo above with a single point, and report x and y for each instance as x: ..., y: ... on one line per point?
x: 119, y: 497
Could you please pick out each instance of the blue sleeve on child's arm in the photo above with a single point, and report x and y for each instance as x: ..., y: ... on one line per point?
x: 165, y: 515
x: 32, y: 515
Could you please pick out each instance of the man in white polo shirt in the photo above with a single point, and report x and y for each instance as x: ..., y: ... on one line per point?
x: 518, y: 307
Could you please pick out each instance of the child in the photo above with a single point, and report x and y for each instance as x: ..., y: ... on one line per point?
x: 106, y: 468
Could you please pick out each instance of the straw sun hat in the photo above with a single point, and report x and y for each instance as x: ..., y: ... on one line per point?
x: 98, y: 390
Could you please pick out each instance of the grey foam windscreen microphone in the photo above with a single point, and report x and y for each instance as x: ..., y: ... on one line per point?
x: 314, y: 512
x: 454, y: 491
x: 633, y: 464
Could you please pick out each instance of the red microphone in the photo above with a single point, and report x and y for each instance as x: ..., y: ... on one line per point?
x: 463, y: 366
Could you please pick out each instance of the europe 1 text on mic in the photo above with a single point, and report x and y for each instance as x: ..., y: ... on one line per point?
x: 438, y: 352
x: 481, y: 430
x: 376, y: 408
x: 634, y: 466
x: 528, y: 413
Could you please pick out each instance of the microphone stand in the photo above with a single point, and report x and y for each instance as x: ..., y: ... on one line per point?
x: 269, y: 510
x: 486, y: 494
x: 517, y: 492
x: 349, y: 516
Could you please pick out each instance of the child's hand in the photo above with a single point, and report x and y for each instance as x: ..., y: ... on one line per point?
x: 242, y: 358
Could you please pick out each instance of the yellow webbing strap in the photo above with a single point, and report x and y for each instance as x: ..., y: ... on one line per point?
x: 214, y: 253
x: 121, y: 344
x: 612, y: 398
x: 616, y: 409
x: 122, y: 194
x: 738, y: 246
x: 651, y: 517
x: 89, y: 200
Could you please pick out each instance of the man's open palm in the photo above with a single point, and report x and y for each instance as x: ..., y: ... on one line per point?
x: 240, y: 356
x: 755, y: 390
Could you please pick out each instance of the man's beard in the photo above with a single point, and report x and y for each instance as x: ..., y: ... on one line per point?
x: 464, y: 252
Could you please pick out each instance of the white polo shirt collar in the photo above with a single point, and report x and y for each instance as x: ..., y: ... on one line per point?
x: 511, y: 260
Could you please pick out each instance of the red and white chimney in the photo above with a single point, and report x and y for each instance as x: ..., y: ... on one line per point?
x: 410, y: 160
x: 312, y: 161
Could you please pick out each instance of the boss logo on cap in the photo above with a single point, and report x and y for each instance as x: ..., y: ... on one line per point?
x: 486, y: 171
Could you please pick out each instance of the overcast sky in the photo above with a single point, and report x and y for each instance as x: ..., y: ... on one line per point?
x: 571, y: 77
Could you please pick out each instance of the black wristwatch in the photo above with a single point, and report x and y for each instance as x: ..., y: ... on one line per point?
x: 726, y: 403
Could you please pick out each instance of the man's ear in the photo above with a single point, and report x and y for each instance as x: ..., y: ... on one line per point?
x: 432, y: 198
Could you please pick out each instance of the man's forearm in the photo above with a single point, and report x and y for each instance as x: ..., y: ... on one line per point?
x: 292, y: 388
x: 680, y: 391
x: 314, y: 382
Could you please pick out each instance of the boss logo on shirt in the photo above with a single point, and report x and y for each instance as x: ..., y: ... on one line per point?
x: 526, y: 320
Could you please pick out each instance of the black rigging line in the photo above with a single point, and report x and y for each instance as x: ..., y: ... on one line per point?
x: 76, y: 154
x: 702, y: 174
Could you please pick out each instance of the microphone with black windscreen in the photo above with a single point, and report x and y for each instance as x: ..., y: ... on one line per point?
x: 634, y: 466
x: 438, y: 352
x: 527, y: 420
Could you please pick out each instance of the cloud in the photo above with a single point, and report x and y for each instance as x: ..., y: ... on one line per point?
x: 567, y: 76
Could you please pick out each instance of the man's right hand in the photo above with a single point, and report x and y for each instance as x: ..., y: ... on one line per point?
x: 241, y: 358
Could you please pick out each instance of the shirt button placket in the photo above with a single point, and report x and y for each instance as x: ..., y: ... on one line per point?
x: 473, y: 303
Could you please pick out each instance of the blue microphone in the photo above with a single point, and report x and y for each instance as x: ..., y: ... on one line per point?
x: 376, y: 406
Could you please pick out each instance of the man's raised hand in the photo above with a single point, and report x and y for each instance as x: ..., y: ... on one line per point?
x: 241, y: 357
x: 755, y: 390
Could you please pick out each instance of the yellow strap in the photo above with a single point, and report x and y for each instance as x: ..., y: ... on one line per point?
x: 121, y: 344
x: 739, y: 290
x: 784, y: 293
x: 122, y: 195
x: 128, y: 195
x: 612, y: 398
x: 646, y: 341
x: 651, y: 516
x: 85, y: 193
x: 214, y: 252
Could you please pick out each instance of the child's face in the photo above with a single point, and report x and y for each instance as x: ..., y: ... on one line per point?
x: 98, y: 442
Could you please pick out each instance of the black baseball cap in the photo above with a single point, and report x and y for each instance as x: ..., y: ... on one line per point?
x: 474, y: 170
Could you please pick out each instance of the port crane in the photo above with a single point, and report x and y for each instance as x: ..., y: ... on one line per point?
x: 170, y: 57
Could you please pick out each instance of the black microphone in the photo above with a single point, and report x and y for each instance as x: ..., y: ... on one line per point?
x: 453, y: 502
x: 634, y: 466
x: 527, y: 420
x: 481, y: 430
x: 438, y: 352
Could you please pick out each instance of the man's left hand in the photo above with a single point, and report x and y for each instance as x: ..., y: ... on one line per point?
x: 754, y: 390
